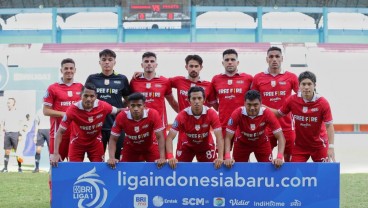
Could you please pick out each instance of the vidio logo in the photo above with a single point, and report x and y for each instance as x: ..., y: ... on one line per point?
x: 90, y: 191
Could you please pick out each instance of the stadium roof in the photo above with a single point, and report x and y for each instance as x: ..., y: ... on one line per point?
x: 110, y: 3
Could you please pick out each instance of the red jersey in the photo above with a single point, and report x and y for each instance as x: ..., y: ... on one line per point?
x: 197, y: 128
x: 86, y: 125
x: 252, y: 128
x: 183, y: 84
x: 274, y: 91
x: 155, y: 91
x: 309, y: 117
x: 59, y: 96
x: 138, y: 134
x: 229, y: 92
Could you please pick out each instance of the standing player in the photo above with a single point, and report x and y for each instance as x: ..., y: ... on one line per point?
x: 251, y: 120
x: 111, y: 88
x: 59, y: 96
x: 85, y: 118
x: 196, y: 122
x: 313, y: 122
x: 42, y: 135
x: 229, y: 87
x: 144, y: 134
x: 154, y: 87
x: 275, y: 85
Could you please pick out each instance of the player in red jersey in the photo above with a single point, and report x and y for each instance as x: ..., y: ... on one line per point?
x: 196, y: 122
x: 59, y: 96
x: 313, y: 122
x: 85, y: 118
x: 154, y: 87
x: 229, y: 87
x: 249, y: 123
x: 275, y: 85
x: 144, y: 134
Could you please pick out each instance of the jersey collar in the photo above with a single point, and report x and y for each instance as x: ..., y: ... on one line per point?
x: 130, y: 117
x: 267, y: 72
x: 189, y: 111
x: 316, y: 96
x: 61, y: 82
x: 260, y: 113
x: 80, y: 106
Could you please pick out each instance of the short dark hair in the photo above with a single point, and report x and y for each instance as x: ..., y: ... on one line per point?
x: 136, y: 96
x: 307, y: 75
x: 149, y: 54
x: 252, y: 95
x: 196, y: 89
x: 66, y: 61
x: 195, y: 58
x: 107, y: 52
x: 274, y: 48
x: 89, y: 86
x: 229, y: 51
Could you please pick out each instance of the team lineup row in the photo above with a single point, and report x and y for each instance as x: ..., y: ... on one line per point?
x: 241, y: 112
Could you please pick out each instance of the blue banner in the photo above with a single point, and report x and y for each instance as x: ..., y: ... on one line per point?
x: 142, y: 185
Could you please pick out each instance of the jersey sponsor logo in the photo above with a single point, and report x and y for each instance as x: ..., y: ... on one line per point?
x: 262, y: 124
x: 145, y: 126
x: 204, y: 125
x: 230, y: 82
x: 99, y: 115
x: 158, y: 85
x: 148, y: 85
x: 90, y: 119
x: 282, y: 83
x: 117, y: 82
x: 197, y: 127
x: 106, y: 81
x: 70, y: 93
x: 240, y: 82
x: 314, y: 109
x: 136, y: 129
x: 273, y: 83
x: 305, y: 109
x: 252, y: 127
x: 90, y: 191
x: 140, y: 201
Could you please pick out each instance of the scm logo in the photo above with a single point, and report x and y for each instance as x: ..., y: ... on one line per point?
x: 193, y: 201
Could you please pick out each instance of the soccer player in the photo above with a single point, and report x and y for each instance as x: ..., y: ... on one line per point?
x: 229, y: 87
x: 42, y: 135
x: 248, y: 124
x: 111, y: 88
x: 313, y: 122
x: 11, y: 125
x: 144, y: 134
x: 154, y: 87
x: 275, y: 85
x: 196, y: 122
x: 85, y: 119
x: 59, y: 96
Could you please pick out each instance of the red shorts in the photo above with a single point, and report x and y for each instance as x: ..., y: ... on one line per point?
x: 94, y: 150
x: 149, y: 154
x: 301, y: 154
x: 185, y: 152
x: 289, y: 139
x: 63, y: 148
x: 242, y: 150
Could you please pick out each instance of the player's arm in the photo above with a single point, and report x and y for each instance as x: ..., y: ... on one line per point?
x: 331, y: 139
x: 48, y: 111
x: 136, y: 75
x: 55, y: 158
x: 228, y: 161
x: 173, y: 103
x: 280, y: 149
x: 112, y: 148
x: 220, y: 148
x: 169, y: 148
x: 161, y: 146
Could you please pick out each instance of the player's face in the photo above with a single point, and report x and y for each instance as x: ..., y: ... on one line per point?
x: 274, y: 60
x: 230, y: 63
x: 307, y: 87
x: 68, y: 71
x: 149, y: 64
x: 107, y: 64
x: 136, y: 108
x: 193, y: 68
x: 88, y: 98
x: 196, y: 102
x: 10, y: 103
x: 252, y: 107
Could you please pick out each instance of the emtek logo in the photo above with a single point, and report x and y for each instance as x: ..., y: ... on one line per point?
x: 218, y: 202
x: 193, y: 201
x: 140, y: 201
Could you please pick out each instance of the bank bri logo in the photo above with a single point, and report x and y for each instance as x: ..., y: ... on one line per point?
x: 90, y: 191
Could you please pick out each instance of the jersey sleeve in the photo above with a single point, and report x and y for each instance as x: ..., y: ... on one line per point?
x: 295, y: 83
x: 285, y: 108
x: 254, y: 85
x: 89, y: 79
x: 233, y: 121
x: 127, y: 89
x: 173, y: 82
x: 273, y: 123
x: 157, y: 122
x: 176, y: 126
x: 327, y: 114
x: 67, y: 118
x: 168, y: 87
x: 212, y: 97
x: 117, y: 127
x: 49, y: 97
x: 215, y: 121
